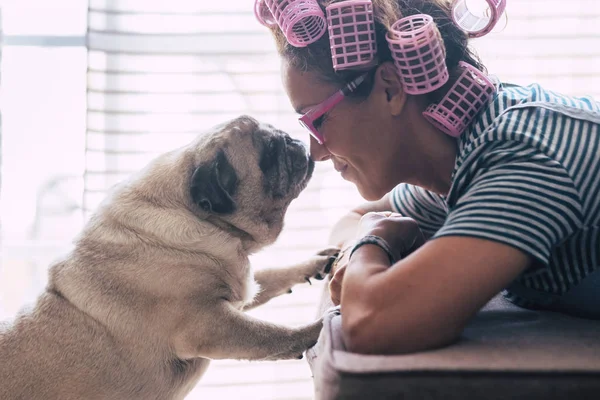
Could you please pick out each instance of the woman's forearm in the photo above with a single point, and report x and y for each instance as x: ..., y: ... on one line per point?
x: 359, y: 291
x: 425, y: 300
x: 367, y: 329
x: 377, y: 319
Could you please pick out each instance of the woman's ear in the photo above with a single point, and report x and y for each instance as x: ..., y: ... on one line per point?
x: 388, y: 82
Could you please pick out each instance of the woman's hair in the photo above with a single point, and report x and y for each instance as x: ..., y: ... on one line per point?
x: 316, y: 57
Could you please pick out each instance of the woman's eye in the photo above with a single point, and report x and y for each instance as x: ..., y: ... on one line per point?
x: 319, y: 121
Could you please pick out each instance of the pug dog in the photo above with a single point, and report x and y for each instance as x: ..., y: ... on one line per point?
x: 158, y: 281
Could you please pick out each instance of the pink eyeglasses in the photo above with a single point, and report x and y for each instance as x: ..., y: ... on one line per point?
x: 308, y: 119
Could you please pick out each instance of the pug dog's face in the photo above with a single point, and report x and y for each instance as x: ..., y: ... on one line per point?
x: 246, y: 173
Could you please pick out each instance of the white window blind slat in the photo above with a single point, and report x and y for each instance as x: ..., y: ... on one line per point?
x: 186, y: 83
x: 222, y: 44
x: 171, y: 7
x: 184, y: 63
x: 206, y: 23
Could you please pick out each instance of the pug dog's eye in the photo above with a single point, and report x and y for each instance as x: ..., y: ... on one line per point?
x: 269, y: 156
x: 273, y: 146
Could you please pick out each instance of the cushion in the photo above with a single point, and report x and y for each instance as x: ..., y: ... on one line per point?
x: 506, y: 352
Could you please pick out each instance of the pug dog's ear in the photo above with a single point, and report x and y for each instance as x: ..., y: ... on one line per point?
x: 214, y: 184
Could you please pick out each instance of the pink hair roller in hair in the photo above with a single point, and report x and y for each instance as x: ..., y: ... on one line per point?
x: 419, y: 54
x: 263, y: 14
x: 301, y: 21
x: 477, y: 26
x: 471, y: 91
x: 351, y: 34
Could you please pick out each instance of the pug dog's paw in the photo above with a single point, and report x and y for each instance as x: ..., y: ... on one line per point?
x: 305, y: 337
x: 320, y: 264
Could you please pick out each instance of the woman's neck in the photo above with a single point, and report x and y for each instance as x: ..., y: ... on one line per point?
x: 439, y: 164
x: 437, y: 155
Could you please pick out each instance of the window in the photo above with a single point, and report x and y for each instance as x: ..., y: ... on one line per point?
x: 91, y: 91
x: 43, y: 133
x: 547, y: 42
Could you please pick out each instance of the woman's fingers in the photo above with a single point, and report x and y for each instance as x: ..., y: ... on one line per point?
x: 335, y: 285
x: 402, y: 234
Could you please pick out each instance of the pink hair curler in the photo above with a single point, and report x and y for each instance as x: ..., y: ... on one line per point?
x: 263, y: 14
x: 471, y: 91
x: 351, y: 34
x: 474, y: 25
x: 301, y: 21
x: 419, y: 54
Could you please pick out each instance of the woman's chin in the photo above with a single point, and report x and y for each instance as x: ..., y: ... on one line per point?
x: 366, y: 189
x: 369, y: 193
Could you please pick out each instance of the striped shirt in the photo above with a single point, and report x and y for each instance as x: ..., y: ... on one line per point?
x: 527, y: 174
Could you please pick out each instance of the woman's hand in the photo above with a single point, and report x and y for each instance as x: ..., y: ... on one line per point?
x: 401, y: 233
x: 337, y: 273
x: 342, y: 235
x: 335, y: 285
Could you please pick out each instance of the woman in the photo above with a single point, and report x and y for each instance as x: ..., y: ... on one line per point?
x: 512, y: 204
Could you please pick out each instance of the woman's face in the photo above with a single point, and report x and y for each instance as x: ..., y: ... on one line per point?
x: 362, y: 137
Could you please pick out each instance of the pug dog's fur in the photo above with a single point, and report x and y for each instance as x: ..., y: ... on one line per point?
x: 158, y: 280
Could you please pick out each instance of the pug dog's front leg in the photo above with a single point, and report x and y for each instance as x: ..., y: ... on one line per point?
x: 227, y: 333
x: 274, y: 282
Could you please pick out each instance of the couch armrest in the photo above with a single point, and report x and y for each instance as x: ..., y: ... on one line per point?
x: 504, y: 353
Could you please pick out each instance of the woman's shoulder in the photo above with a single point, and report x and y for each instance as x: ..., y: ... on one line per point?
x: 510, y: 97
x: 534, y: 128
x: 529, y: 113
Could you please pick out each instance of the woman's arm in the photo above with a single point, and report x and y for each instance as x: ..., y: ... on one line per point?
x: 425, y: 300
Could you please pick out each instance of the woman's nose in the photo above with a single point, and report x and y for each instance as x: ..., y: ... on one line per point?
x: 318, y: 152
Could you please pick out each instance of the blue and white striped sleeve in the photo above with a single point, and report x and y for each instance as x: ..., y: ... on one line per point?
x: 516, y: 195
x: 428, y: 209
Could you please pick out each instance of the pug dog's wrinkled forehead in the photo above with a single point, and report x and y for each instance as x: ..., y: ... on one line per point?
x: 244, y: 125
x: 259, y: 132
x: 239, y: 133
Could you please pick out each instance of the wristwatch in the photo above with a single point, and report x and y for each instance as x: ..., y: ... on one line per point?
x: 378, y: 241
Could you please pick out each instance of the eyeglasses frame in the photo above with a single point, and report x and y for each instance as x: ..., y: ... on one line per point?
x: 307, y: 119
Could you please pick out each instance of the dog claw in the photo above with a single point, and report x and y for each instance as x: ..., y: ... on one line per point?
x: 308, y: 280
x: 330, y: 264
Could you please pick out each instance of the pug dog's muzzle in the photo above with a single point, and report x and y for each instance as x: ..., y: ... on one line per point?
x: 285, y: 165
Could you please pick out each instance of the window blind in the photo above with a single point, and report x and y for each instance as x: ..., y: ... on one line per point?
x: 551, y: 42
x: 161, y: 72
